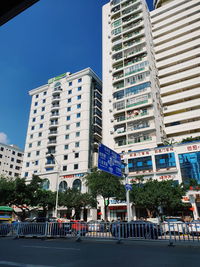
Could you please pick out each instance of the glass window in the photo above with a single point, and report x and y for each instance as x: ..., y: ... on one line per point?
x: 39, y: 143
x: 77, y: 134
x: 69, y: 92
x: 28, y: 155
x: 77, y: 184
x: 69, y: 100
x: 69, y: 109
x: 42, y: 117
x: 77, y: 144
x: 165, y: 161
x: 36, y: 162
x: 140, y: 164
x: 78, y: 106
x: 67, y: 136
x: 37, y: 153
x: 46, y: 183
x: 68, y: 118
x: 33, y: 120
x: 32, y: 127
x: 75, y: 166
x: 70, y: 83
x: 44, y: 93
x: 44, y: 101
x: 66, y: 146
x: 67, y: 127
x: 63, y: 185
x: 78, y: 124
x: 50, y: 160
x: 79, y: 88
x: 190, y: 166
x: 65, y: 157
x: 36, y: 96
x: 31, y: 136
x: 36, y: 103
x: 76, y: 155
x: 65, y: 168
x: 26, y: 174
x: 78, y: 97
x: 80, y: 80
x: 43, y: 108
x: 39, y: 134
x: 78, y: 115
x: 30, y: 145
x: 27, y: 164
x: 41, y: 125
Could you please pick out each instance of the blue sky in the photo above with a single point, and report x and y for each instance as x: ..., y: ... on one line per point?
x: 49, y: 38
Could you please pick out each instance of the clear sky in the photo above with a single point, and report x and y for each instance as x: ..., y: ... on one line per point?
x: 49, y: 38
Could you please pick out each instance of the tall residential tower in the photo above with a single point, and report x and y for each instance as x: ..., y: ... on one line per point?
x: 132, y: 108
x: 176, y: 37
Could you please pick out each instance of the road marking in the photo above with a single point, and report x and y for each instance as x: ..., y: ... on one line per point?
x: 52, y: 247
x: 17, y: 264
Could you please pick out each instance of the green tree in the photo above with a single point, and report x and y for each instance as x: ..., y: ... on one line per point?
x: 154, y: 194
x: 6, y: 189
x: 106, y: 185
x: 45, y: 199
x: 74, y: 199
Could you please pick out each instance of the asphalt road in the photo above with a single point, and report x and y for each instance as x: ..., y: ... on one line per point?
x: 55, y: 252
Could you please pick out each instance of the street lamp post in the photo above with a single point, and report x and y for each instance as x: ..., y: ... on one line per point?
x: 127, y: 190
x: 57, y: 187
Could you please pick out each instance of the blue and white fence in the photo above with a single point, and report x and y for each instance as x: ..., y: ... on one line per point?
x: 172, y: 232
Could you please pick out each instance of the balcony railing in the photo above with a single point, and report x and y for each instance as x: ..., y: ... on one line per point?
x: 123, y: 118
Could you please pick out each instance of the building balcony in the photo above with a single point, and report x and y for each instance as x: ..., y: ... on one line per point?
x: 49, y: 164
x: 56, y: 97
x: 139, y: 140
x: 133, y: 117
x: 49, y: 152
x: 54, y: 115
x: 138, y: 129
x: 55, y: 106
x: 52, y: 142
x: 129, y: 36
x: 53, y: 133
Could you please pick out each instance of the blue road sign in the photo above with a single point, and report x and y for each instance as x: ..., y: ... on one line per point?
x: 128, y: 187
x: 109, y: 161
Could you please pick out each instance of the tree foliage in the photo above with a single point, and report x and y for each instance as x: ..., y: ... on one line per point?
x: 154, y: 194
x: 74, y: 199
x: 106, y: 185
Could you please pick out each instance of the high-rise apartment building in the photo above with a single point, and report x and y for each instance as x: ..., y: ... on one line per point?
x: 11, y: 159
x: 132, y: 108
x: 176, y: 37
x: 64, y: 129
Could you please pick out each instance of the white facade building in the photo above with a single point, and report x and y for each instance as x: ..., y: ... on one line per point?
x: 11, y: 159
x: 132, y: 109
x: 176, y: 37
x: 65, y: 121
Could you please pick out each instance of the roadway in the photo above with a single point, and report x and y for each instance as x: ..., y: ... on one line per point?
x: 65, y: 252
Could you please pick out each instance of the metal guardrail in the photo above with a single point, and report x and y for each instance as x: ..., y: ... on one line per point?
x: 167, y: 231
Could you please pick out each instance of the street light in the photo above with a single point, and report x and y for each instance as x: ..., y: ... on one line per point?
x: 126, y: 172
x: 57, y: 187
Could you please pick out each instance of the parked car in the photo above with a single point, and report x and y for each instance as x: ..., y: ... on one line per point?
x: 194, y: 227
x: 137, y: 229
x: 173, y: 225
